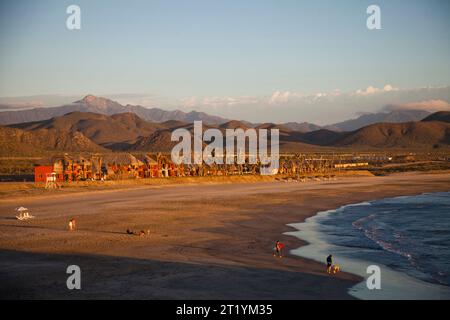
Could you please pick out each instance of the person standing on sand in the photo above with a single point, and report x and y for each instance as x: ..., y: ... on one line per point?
x: 72, y: 224
x: 275, y: 249
x: 329, y: 263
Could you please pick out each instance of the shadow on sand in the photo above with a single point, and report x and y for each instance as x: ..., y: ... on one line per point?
x: 25, y: 275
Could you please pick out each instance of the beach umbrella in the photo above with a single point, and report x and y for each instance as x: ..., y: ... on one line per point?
x: 20, y: 209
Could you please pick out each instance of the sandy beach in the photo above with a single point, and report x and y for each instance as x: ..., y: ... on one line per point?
x: 207, y: 241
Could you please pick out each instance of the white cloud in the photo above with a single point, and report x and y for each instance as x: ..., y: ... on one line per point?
x: 373, y: 90
x: 321, y: 107
x: 428, y: 105
x: 189, y: 102
x: 215, y: 102
x: 279, y: 97
x: 388, y: 88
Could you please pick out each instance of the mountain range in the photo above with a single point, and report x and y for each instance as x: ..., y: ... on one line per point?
x: 105, y: 106
x: 95, y: 132
x: 395, y: 116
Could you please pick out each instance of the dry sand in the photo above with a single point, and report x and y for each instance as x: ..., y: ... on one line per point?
x: 207, y: 241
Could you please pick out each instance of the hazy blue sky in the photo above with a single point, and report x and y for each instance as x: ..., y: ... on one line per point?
x: 221, y: 48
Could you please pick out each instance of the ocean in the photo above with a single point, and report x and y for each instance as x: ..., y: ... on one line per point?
x: 407, y: 237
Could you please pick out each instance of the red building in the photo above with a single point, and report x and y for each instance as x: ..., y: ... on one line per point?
x: 41, y: 172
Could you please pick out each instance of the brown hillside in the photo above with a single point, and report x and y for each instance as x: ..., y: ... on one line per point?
x: 443, y: 116
x: 15, y: 142
x: 104, y: 130
x: 234, y: 124
x: 399, y: 135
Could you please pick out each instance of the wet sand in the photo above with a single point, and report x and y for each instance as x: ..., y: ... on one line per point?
x: 209, y: 241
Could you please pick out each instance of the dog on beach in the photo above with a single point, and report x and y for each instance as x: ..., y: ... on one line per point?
x: 335, y: 269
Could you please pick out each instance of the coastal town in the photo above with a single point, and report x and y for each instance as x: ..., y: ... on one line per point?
x: 50, y: 172
x: 68, y: 168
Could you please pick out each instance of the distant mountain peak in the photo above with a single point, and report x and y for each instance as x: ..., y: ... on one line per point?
x: 396, y: 116
x: 98, y: 102
x: 89, y: 98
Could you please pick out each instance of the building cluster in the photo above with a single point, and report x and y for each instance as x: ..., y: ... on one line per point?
x: 119, y: 166
x: 128, y: 166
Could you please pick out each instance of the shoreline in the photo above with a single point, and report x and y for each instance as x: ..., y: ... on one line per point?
x: 201, y: 236
x: 400, y: 285
x: 11, y: 191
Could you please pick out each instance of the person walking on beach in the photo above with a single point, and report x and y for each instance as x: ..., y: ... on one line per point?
x: 278, y: 249
x: 329, y: 263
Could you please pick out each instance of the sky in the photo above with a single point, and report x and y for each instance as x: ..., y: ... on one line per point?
x: 247, y: 59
